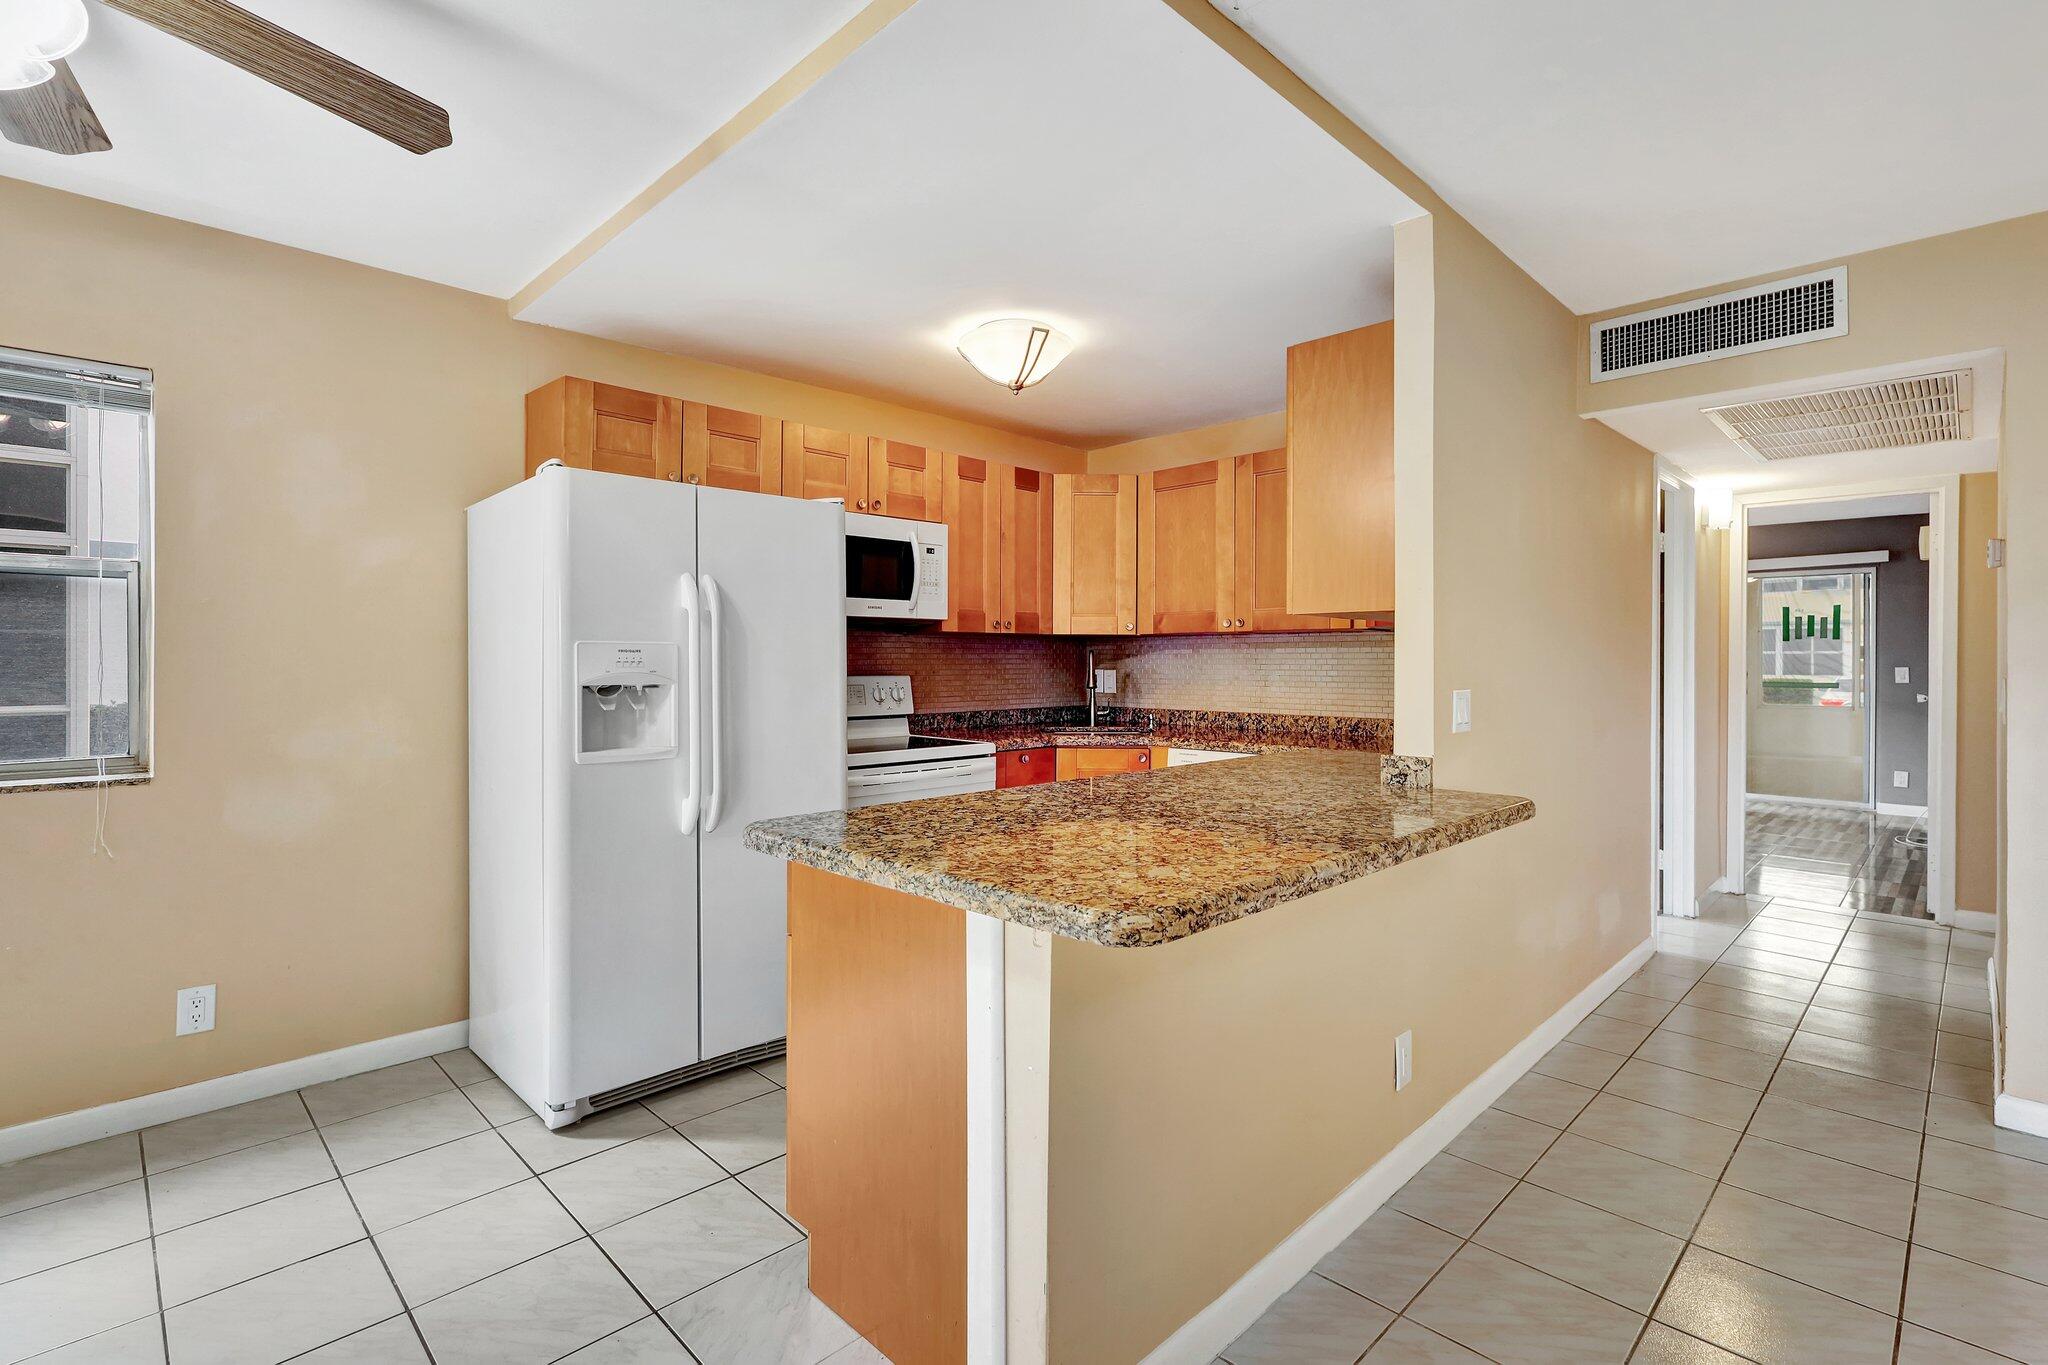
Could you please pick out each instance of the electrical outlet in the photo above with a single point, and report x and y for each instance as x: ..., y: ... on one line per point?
x: 1105, y: 681
x: 1404, y: 1059
x: 1461, y: 711
x: 1900, y: 779
x: 195, y: 1010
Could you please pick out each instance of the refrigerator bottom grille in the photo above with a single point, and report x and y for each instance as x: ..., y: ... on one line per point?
x: 760, y: 1052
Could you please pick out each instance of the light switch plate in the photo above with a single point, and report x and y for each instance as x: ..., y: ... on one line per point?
x: 1461, y: 711
x: 1404, y: 1059
x: 1900, y: 779
x: 1902, y: 675
x: 1105, y: 681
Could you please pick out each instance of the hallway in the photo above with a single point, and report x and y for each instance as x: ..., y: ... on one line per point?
x: 1835, y: 856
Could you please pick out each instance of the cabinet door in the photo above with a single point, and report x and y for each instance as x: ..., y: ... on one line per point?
x: 1340, y: 485
x: 1261, y: 595
x: 1026, y: 506
x: 1186, y: 566
x: 1073, y: 763
x: 587, y: 425
x: 818, y: 462
x: 971, y: 493
x: 724, y: 448
x: 903, y: 480
x: 1024, y: 767
x: 1095, y: 554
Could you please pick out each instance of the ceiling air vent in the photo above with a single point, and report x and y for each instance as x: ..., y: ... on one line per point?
x: 1883, y: 416
x: 1760, y: 318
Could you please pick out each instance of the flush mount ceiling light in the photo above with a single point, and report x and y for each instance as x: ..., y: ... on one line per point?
x: 1014, y: 352
x: 33, y: 35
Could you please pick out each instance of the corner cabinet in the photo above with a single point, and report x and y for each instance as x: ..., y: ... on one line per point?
x: 1095, y: 554
x: 587, y: 425
x: 1340, y: 486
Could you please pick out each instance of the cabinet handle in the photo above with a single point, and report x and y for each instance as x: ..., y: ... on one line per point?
x: 673, y: 477
x: 1130, y: 625
x: 1024, y: 758
x: 693, y: 478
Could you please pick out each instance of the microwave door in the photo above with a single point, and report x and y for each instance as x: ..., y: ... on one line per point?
x: 880, y: 569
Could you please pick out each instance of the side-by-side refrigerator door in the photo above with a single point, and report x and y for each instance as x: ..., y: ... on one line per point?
x: 772, y: 572
x: 621, y: 927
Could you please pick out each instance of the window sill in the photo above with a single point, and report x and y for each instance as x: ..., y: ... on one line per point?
x: 86, y: 782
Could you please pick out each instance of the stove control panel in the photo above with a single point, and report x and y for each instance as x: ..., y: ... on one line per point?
x: 886, y: 694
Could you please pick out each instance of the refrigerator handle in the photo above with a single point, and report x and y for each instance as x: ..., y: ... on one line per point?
x: 693, y: 698
x: 714, y: 789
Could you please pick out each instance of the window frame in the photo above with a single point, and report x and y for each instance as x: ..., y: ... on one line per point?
x: 67, y: 540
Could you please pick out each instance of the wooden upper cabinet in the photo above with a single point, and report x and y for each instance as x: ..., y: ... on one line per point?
x: 903, y: 480
x: 1095, y: 554
x: 1186, y: 552
x: 1262, y: 540
x: 971, y: 496
x: 1027, y: 555
x: 818, y: 462
x: 1340, y: 476
x: 725, y: 448
x: 587, y: 425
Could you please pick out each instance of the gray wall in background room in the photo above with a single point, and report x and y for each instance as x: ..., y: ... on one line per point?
x: 1901, y: 632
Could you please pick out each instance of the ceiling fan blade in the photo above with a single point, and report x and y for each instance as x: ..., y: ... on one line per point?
x: 55, y: 116
x: 289, y: 62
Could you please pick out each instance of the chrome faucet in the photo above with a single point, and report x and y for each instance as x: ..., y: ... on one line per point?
x: 1088, y: 662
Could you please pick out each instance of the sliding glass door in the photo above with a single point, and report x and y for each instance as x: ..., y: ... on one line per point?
x: 1810, y: 717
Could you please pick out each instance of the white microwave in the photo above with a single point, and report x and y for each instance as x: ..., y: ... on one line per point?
x: 895, y: 569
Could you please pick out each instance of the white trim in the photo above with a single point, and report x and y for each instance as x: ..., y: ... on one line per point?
x: 2020, y: 1115
x: 1976, y: 921
x: 1861, y: 557
x: 1202, y: 1337
x: 1829, y: 801
x: 987, y: 1315
x: 1896, y: 808
x: 1676, y: 635
x: 1943, y: 605
x: 203, y: 1097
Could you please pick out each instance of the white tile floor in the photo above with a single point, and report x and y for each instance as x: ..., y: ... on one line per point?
x: 420, y: 1213
x: 1773, y: 1143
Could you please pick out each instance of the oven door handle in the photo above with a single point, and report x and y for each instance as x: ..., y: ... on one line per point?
x: 926, y: 774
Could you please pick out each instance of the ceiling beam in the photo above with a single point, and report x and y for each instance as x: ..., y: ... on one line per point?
x: 814, y: 67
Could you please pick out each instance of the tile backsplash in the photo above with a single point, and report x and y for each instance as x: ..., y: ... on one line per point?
x: 1347, y: 674
x: 1339, y: 674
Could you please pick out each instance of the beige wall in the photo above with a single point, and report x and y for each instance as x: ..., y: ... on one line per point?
x: 1977, y: 701
x: 1965, y: 291
x: 321, y: 426
x: 1210, y: 1095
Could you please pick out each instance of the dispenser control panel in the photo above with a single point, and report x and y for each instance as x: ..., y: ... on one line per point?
x: 625, y: 700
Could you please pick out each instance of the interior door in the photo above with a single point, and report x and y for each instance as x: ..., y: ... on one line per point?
x: 775, y: 721
x: 622, y: 941
x: 1809, y: 733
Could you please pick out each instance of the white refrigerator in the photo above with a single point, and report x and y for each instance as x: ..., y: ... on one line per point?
x: 651, y: 667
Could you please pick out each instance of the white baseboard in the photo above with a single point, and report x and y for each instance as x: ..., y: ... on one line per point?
x: 1981, y: 921
x: 1911, y: 812
x: 1202, y: 1337
x: 126, y: 1116
x: 2024, y: 1116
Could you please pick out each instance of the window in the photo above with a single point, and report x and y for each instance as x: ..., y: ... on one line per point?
x: 74, y: 569
x: 1810, y: 629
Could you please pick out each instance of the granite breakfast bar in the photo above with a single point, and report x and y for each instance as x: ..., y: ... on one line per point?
x: 942, y: 958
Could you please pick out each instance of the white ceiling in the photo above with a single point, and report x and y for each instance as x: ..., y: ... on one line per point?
x: 1095, y: 163
x: 1839, y: 509
x: 1680, y: 432
x: 561, y: 113
x: 1621, y: 150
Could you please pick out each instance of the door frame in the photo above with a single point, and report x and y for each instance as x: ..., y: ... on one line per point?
x: 1867, y: 693
x: 1674, y: 636
x: 1944, y: 575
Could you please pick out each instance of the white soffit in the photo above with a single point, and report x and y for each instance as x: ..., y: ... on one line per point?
x: 1098, y: 164
x: 561, y: 113
x: 1839, y: 509
x: 1681, y: 431
x: 1622, y: 151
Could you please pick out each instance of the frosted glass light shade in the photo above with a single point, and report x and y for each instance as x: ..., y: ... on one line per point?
x: 1015, y: 352
x: 35, y: 33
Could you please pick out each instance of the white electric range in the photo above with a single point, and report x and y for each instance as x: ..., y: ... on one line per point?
x: 886, y: 763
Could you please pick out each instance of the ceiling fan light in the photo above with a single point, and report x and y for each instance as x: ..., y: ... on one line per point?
x: 1015, y: 352
x: 19, y: 72
x: 42, y: 30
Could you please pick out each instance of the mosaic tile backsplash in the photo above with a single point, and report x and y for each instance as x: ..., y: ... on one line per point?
x: 1350, y: 674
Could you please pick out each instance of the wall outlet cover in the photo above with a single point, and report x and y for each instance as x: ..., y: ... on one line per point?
x: 1902, y: 675
x: 1404, y: 1059
x: 195, y: 1010
x: 1900, y: 779
x: 1461, y: 711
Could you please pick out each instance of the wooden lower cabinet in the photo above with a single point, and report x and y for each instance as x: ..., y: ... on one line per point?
x: 1025, y: 767
x: 1095, y: 554
x: 1103, y: 762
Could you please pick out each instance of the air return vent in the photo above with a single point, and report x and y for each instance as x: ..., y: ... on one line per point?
x: 1760, y: 318
x: 1882, y: 416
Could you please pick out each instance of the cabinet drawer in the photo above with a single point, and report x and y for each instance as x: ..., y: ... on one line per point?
x: 1024, y: 767
x: 1102, y: 762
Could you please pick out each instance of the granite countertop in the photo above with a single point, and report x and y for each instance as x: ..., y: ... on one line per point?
x: 1142, y: 859
x: 1232, y: 732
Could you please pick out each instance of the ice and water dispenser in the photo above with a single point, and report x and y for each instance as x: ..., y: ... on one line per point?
x: 626, y: 701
